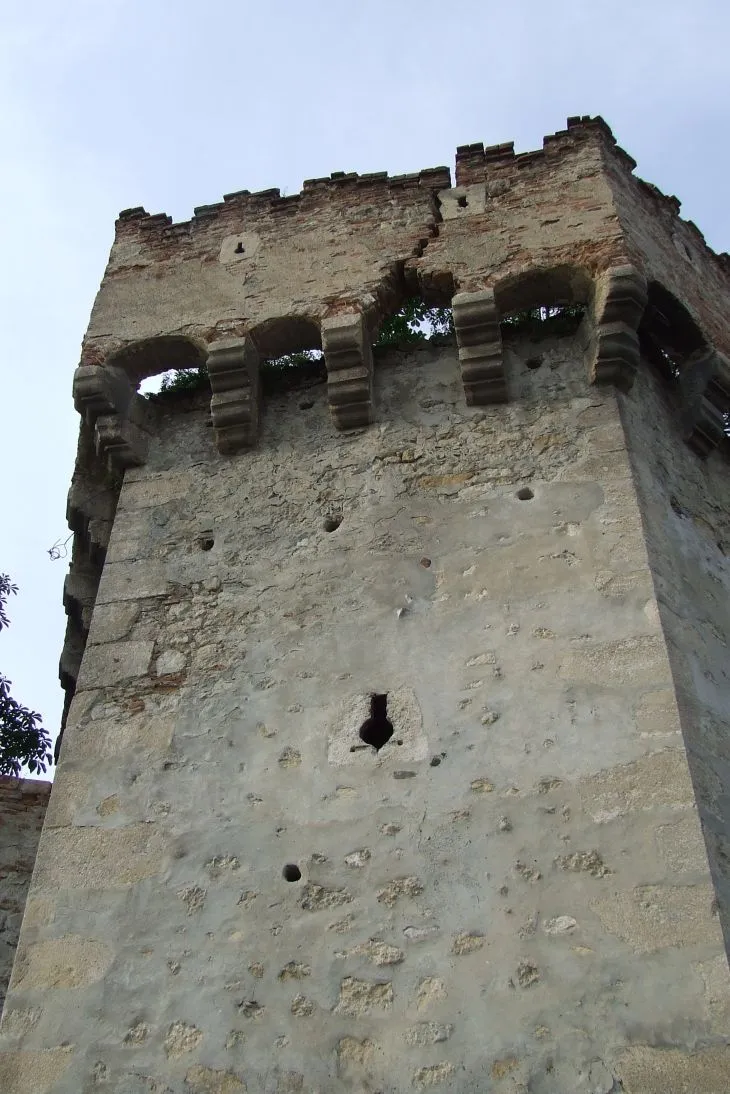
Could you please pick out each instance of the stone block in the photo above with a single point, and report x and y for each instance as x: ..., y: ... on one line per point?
x: 653, y: 917
x: 114, y: 663
x: 97, y: 858
x: 630, y: 662
x: 643, y: 1069
x: 134, y: 580
x: 34, y: 1072
x: 61, y: 963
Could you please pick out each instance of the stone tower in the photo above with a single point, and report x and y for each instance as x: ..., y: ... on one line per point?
x: 382, y: 683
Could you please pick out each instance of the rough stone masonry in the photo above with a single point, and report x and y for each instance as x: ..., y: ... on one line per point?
x: 382, y: 688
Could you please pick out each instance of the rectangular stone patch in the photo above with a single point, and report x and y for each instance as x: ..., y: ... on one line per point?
x: 97, y: 858
x: 33, y: 1072
x: 131, y: 581
x: 114, y: 663
x: 61, y: 963
x: 634, y: 661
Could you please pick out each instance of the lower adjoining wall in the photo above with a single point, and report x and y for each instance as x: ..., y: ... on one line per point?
x: 22, y: 809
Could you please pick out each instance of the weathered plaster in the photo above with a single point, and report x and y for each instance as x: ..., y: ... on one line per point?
x: 231, y: 892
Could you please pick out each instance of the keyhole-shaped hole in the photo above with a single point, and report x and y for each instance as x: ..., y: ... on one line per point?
x: 239, y: 248
x: 377, y: 729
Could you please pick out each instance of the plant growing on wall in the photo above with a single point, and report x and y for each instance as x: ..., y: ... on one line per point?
x: 23, y: 740
x: 546, y: 321
x: 416, y: 322
x: 185, y: 379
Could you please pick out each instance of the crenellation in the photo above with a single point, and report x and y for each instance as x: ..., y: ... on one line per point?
x: 394, y: 693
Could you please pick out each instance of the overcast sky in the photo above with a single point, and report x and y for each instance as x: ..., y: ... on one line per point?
x: 107, y: 104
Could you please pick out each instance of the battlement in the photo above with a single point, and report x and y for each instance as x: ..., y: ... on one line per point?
x: 360, y: 242
x: 346, y: 187
x: 258, y: 275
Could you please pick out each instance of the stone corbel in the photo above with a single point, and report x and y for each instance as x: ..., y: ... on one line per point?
x: 79, y: 594
x: 90, y: 510
x: 348, y: 355
x: 233, y: 368
x: 480, y: 347
x: 106, y: 401
x: 705, y: 385
x: 618, y: 305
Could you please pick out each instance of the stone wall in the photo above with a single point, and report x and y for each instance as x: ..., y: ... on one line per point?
x: 374, y: 775
x: 233, y: 893
x: 258, y: 275
x: 22, y: 809
x: 685, y: 505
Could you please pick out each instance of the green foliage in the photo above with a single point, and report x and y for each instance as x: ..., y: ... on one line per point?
x: 280, y: 374
x: 544, y: 322
x: 414, y: 323
x: 185, y: 379
x: 418, y: 323
x: 277, y: 374
x: 23, y: 741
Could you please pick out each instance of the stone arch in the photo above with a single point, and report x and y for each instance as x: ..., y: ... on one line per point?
x: 477, y: 317
x: 675, y: 345
x: 286, y: 334
x: 668, y: 333
x: 151, y: 356
x: 543, y: 286
x: 614, y: 301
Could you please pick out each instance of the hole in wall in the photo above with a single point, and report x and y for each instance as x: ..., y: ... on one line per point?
x: 306, y: 404
x: 240, y: 249
x: 425, y: 562
x: 377, y: 729
x: 533, y: 362
x: 206, y: 543
x: 332, y: 523
x: 291, y: 872
x: 525, y: 494
x: 462, y: 202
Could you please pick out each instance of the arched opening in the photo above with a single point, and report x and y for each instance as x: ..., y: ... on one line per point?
x: 543, y: 302
x: 290, y: 350
x: 415, y: 323
x: 668, y: 334
x: 411, y: 312
x: 170, y: 362
x: 283, y: 336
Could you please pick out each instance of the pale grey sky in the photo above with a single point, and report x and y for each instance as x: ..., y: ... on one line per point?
x: 168, y: 104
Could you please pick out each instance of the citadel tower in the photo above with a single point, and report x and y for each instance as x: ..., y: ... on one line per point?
x: 382, y: 688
